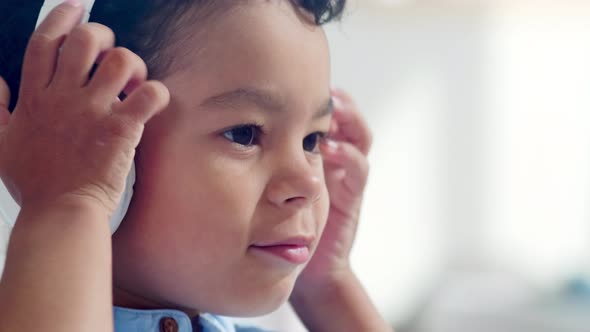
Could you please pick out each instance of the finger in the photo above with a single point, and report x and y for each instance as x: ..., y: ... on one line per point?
x: 4, y: 102
x: 347, y: 157
x: 120, y: 68
x: 80, y: 52
x: 333, y: 129
x: 42, y: 51
x: 343, y: 96
x: 350, y: 126
x: 4, y: 94
x: 142, y: 104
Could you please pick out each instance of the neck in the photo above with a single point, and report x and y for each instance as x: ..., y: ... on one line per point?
x: 126, y: 299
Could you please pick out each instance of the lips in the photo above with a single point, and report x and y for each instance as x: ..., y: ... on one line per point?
x: 293, y: 250
x: 290, y: 253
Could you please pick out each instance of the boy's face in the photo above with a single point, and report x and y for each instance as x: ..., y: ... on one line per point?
x: 230, y: 192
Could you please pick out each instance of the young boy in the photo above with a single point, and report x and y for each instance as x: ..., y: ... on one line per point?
x: 236, y: 181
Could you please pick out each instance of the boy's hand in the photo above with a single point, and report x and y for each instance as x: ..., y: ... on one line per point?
x: 346, y: 168
x: 70, y: 137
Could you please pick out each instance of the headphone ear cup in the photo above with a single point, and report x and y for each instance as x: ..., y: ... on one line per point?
x: 9, y: 209
x: 123, y: 207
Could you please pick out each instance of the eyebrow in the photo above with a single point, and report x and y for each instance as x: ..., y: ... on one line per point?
x: 261, y: 98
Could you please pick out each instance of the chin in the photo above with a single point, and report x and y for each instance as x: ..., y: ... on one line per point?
x: 255, y: 303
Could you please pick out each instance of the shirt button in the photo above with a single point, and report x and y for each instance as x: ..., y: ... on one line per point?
x: 168, y: 324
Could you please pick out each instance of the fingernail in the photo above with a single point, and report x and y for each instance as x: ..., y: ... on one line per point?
x: 331, y: 145
x: 74, y: 3
x: 337, y: 103
x: 335, y: 90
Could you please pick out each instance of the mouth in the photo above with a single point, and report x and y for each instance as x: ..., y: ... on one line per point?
x: 294, y: 250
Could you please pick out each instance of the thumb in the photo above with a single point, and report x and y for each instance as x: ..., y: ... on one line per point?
x: 4, y: 103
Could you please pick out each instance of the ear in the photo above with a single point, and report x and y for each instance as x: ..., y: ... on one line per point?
x: 4, y: 103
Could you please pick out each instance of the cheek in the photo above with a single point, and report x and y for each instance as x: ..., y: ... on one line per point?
x: 206, y: 213
x: 201, y: 190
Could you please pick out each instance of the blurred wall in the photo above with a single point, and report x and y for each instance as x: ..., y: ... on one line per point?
x: 481, y: 158
x: 419, y: 73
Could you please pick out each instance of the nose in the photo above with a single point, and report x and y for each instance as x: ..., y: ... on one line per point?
x: 296, y: 183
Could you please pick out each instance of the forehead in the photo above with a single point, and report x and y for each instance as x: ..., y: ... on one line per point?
x: 268, y: 44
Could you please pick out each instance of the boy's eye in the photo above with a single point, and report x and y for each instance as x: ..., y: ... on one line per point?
x: 311, y: 142
x: 246, y: 135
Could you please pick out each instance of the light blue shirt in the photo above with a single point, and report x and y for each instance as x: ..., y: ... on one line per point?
x: 133, y: 320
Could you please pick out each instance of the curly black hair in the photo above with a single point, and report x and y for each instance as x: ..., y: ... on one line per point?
x: 150, y: 28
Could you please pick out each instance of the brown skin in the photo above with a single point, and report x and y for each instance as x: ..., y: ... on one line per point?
x: 201, y: 201
x: 59, y: 255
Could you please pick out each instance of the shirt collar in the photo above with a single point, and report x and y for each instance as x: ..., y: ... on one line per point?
x: 134, y: 320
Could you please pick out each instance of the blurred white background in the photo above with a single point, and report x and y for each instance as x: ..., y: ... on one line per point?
x: 476, y: 216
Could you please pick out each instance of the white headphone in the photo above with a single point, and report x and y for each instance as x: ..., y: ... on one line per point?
x: 9, y: 209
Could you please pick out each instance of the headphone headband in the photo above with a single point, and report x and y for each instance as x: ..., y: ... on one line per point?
x: 48, y: 6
